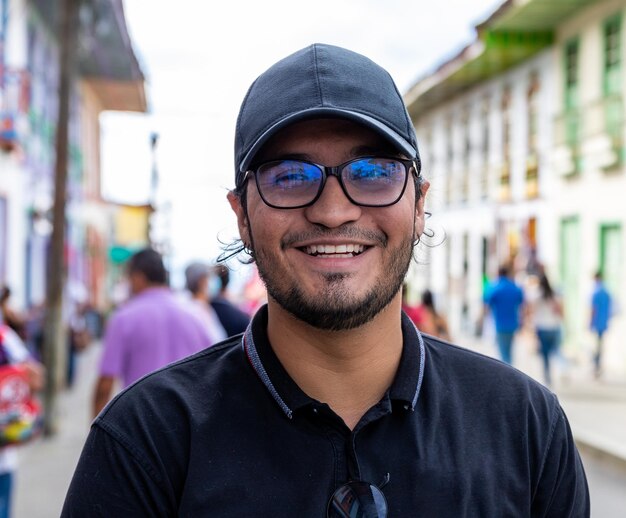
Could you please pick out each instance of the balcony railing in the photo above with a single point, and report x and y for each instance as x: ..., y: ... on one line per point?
x: 567, y: 140
x: 592, y: 136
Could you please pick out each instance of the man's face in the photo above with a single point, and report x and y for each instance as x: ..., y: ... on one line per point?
x: 334, y: 265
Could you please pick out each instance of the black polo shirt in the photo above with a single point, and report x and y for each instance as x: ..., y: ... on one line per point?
x: 227, y: 432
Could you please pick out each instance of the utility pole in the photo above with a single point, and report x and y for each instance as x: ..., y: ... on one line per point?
x: 55, y: 339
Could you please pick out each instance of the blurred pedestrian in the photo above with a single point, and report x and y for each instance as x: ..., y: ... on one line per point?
x: 35, y: 329
x: 505, y: 300
x: 412, y: 311
x: 432, y: 322
x: 14, y: 352
x: 546, y: 315
x: 233, y: 319
x: 11, y: 317
x: 197, y: 276
x: 601, y: 311
x: 153, y: 328
x: 331, y: 403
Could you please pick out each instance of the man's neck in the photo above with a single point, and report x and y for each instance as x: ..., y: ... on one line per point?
x: 349, y: 370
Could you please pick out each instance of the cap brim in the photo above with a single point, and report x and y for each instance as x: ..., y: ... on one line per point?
x: 321, y: 112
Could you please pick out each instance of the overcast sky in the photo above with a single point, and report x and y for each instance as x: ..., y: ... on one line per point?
x: 200, y: 57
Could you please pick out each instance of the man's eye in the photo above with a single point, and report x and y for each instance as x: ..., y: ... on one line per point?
x: 370, y: 171
x: 291, y: 179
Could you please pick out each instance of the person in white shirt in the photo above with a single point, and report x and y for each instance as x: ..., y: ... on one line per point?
x: 546, y: 312
x: 197, y: 276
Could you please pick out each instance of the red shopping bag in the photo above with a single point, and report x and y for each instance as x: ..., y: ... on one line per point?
x: 21, y: 416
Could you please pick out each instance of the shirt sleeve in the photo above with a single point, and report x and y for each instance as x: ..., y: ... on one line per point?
x: 112, y: 480
x: 562, y: 489
x: 14, y: 348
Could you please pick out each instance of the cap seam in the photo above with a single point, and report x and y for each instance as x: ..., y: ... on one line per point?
x: 317, y: 77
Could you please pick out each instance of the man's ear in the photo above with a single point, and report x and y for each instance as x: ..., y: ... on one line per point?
x: 420, y: 217
x: 242, y: 220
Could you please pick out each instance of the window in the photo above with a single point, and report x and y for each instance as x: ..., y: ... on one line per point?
x: 570, y: 268
x: 571, y: 74
x: 467, y: 147
x: 532, y: 157
x: 572, y: 117
x: 505, y: 172
x: 612, y: 55
x: 484, y: 175
x: 612, y: 82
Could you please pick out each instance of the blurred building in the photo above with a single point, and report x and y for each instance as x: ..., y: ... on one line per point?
x: 108, y: 78
x: 130, y: 232
x: 522, y: 136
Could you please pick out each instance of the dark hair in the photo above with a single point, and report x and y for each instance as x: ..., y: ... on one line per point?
x: 5, y: 293
x: 149, y: 263
x: 546, y: 289
x: 504, y: 270
x: 223, y: 274
x: 428, y: 299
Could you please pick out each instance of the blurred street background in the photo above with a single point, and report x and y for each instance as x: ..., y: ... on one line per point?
x: 116, y: 127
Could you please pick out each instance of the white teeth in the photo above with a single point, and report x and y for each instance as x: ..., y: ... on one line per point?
x: 347, y: 250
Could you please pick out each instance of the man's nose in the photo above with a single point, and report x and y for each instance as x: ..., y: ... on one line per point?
x: 332, y: 208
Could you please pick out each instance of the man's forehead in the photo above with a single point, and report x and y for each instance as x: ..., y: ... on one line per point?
x: 302, y: 136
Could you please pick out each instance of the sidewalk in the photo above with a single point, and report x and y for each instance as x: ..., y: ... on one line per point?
x: 596, y: 411
x: 46, y: 466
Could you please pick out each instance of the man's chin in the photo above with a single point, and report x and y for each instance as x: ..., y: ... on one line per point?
x: 336, y: 312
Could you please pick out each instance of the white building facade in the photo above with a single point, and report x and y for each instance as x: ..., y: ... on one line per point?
x: 522, y: 165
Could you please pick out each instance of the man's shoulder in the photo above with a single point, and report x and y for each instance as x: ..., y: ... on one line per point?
x: 475, y: 375
x: 198, y: 376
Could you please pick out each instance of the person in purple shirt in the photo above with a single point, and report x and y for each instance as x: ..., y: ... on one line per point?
x: 147, y: 332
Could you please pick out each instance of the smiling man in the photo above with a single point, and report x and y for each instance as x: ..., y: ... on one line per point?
x: 331, y: 403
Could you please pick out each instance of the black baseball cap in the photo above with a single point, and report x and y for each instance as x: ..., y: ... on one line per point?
x: 321, y: 81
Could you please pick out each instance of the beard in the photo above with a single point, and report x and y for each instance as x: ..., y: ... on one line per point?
x: 334, y: 306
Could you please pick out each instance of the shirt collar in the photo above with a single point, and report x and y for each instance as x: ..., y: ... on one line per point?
x: 290, y: 398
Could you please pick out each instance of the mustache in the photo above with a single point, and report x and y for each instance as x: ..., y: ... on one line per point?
x: 347, y: 232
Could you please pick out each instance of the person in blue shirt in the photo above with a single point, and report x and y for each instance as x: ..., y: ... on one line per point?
x: 505, y: 300
x: 601, y: 310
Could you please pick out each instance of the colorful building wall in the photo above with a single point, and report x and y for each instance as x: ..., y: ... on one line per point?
x: 589, y: 132
x: 526, y: 153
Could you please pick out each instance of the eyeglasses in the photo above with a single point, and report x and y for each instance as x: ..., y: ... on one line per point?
x: 366, y: 181
x: 357, y: 499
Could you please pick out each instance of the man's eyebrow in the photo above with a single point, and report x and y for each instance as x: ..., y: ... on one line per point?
x: 368, y: 150
x: 356, y: 151
x: 282, y: 156
x: 293, y: 156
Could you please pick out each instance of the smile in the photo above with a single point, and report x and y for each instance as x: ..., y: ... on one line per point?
x: 334, y: 251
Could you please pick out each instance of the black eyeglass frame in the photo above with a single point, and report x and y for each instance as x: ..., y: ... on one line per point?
x: 409, y: 165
